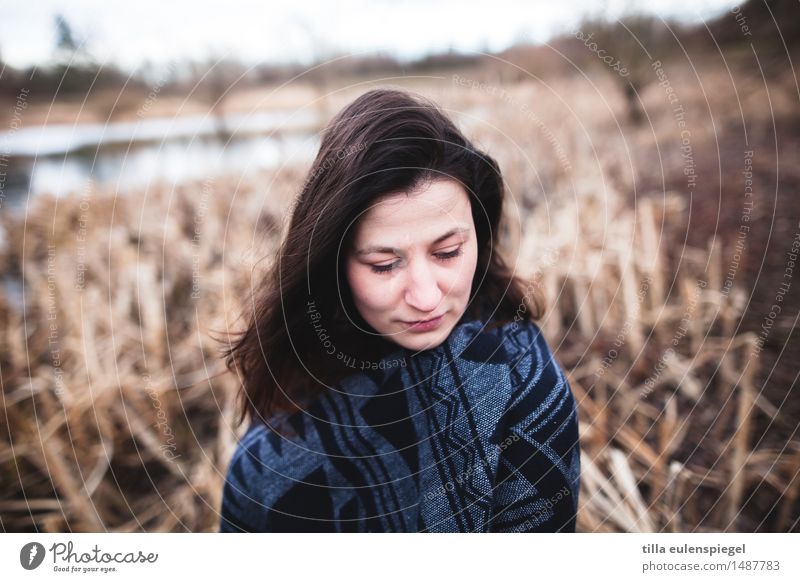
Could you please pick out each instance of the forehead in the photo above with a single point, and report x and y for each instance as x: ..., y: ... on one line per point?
x: 434, y: 204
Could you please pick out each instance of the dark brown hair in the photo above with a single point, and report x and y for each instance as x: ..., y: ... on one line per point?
x: 387, y: 141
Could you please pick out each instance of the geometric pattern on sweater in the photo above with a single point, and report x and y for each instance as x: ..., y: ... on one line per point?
x: 479, y: 434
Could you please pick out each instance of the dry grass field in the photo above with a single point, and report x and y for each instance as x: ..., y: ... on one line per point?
x: 117, y: 414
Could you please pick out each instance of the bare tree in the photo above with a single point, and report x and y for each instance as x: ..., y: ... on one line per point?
x: 630, y: 44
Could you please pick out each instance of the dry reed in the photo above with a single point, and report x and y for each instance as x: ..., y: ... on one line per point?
x: 115, y: 417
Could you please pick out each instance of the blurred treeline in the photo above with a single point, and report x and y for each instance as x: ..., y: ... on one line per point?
x: 688, y: 409
x: 74, y: 75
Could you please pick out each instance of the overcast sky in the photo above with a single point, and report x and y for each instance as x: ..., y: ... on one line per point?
x: 134, y: 31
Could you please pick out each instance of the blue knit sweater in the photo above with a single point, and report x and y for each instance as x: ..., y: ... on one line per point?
x: 478, y: 434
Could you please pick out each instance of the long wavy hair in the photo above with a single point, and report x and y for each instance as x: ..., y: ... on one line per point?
x: 385, y: 142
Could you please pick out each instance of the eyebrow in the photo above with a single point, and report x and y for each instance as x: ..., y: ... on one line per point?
x: 382, y: 249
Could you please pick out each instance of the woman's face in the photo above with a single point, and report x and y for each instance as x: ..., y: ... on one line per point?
x: 411, y: 264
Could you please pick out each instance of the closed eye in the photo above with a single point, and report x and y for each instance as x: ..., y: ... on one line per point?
x: 444, y: 257
x: 450, y: 254
x: 383, y: 268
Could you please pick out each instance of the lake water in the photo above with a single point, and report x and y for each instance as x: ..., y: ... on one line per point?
x: 61, y: 159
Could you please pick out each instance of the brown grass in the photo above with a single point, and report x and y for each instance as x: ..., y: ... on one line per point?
x: 116, y: 418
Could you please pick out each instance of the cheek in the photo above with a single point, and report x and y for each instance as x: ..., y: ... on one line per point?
x: 367, y: 292
x: 462, y: 282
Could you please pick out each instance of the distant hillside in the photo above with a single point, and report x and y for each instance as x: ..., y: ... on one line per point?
x: 758, y: 21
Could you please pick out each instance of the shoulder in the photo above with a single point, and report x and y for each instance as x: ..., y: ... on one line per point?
x: 542, y: 410
x: 245, y: 469
x: 263, y: 468
x: 537, y: 431
x: 510, y: 343
x: 512, y: 360
x: 540, y: 446
x: 278, y: 448
x: 536, y: 380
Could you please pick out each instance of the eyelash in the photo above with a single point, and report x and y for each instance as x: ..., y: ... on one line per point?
x: 441, y: 256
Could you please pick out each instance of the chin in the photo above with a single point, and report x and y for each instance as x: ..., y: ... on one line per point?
x: 424, y: 341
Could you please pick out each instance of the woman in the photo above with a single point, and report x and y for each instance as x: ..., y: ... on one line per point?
x: 392, y: 374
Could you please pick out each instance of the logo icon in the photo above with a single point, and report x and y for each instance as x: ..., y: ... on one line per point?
x: 31, y: 555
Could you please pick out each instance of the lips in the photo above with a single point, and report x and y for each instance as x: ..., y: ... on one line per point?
x: 423, y: 320
x: 425, y: 325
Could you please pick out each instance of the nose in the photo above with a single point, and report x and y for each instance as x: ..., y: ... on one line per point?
x: 422, y: 289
